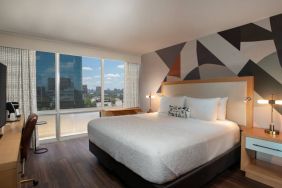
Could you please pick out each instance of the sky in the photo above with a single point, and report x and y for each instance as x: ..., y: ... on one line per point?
x: 113, y: 71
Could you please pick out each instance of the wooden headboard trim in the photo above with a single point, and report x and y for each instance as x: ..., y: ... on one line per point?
x: 250, y: 91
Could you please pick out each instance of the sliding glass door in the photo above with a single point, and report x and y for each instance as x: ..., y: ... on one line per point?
x: 72, y: 89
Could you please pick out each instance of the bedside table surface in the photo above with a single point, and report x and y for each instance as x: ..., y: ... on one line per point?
x: 120, y: 111
x: 260, y: 134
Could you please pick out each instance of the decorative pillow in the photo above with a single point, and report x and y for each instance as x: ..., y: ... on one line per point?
x: 174, y: 101
x: 204, y: 109
x: 183, y: 112
x: 221, y: 111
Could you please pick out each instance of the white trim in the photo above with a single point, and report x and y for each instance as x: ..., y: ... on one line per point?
x: 69, y: 137
x: 47, y: 140
x: 57, y: 95
x: 78, y: 110
x: 46, y: 112
x: 124, y: 88
x: 102, y: 81
x: 64, y: 138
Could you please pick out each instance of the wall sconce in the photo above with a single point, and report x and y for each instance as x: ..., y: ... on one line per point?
x: 150, y: 97
x: 272, y: 102
x: 247, y: 99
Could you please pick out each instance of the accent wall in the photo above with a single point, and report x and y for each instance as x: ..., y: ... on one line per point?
x: 254, y: 49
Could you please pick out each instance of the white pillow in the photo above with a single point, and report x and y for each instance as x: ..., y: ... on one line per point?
x: 174, y: 101
x: 204, y: 109
x: 221, y: 113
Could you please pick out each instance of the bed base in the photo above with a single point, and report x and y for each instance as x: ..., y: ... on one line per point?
x: 195, y: 178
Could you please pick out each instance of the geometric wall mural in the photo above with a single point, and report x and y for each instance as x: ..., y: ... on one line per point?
x: 254, y: 49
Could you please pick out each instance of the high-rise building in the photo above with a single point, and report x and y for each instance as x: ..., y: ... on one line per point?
x: 71, y: 82
x: 84, y: 90
x: 98, y: 90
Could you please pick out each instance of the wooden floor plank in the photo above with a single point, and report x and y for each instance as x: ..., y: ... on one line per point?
x: 69, y: 164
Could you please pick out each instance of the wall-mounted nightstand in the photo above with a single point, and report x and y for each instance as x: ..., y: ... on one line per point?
x: 256, y: 140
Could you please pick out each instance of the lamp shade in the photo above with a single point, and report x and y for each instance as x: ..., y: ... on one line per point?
x: 262, y: 101
x: 279, y: 102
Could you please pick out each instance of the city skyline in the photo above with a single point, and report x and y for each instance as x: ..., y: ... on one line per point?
x: 78, y: 76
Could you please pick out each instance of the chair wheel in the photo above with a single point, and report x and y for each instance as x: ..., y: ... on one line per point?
x: 35, y: 183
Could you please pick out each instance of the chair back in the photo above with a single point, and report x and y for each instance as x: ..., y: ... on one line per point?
x: 27, y: 134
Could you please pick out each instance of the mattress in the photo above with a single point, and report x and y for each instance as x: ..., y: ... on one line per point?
x: 159, y: 147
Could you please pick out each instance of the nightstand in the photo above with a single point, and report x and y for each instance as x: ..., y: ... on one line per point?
x: 256, y: 140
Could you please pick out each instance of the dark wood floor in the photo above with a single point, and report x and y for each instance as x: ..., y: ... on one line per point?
x: 70, y: 164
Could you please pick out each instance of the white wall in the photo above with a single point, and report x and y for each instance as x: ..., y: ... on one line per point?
x: 72, y: 48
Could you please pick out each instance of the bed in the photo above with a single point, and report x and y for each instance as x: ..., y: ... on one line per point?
x: 157, y: 150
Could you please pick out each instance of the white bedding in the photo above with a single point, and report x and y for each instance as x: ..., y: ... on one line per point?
x: 160, y: 148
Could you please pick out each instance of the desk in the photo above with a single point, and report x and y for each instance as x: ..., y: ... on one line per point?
x: 9, y: 154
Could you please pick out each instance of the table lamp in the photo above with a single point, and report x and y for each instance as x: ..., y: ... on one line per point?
x: 150, y: 97
x: 272, y: 102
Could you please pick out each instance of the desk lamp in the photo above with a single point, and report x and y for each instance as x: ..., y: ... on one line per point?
x: 150, y: 97
x: 272, y: 102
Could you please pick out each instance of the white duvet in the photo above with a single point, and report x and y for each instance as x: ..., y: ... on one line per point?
x: 160, y: 148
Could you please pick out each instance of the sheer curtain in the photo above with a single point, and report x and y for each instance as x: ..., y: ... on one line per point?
x: 131, y: 86
x: 21, y: 79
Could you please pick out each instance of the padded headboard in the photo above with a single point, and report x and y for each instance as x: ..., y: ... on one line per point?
x: 237, y: 89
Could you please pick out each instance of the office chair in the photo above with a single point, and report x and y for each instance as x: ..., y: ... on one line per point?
x: 25, y: 144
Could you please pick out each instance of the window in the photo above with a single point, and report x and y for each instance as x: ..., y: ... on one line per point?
x: 45, y: 80
x: 80, y: 82
x: 113, y: 83
x: 91, y: 82
x: 83, y: 83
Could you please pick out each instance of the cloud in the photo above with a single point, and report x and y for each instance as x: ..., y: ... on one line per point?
x: 111, y: 76
x: 87, y: 68
x: 120, y: 66
x: 87, y: 78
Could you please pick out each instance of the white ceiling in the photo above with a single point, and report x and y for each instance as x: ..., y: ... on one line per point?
x: 134, y: 26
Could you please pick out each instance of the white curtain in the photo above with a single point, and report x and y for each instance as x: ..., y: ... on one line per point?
x: 131, y: 88
x: 21, y: 79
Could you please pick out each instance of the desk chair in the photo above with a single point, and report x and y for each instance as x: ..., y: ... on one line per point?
x: 25, y: 144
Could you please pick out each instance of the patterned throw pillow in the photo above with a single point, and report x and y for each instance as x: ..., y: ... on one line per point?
x: 182, y: 112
